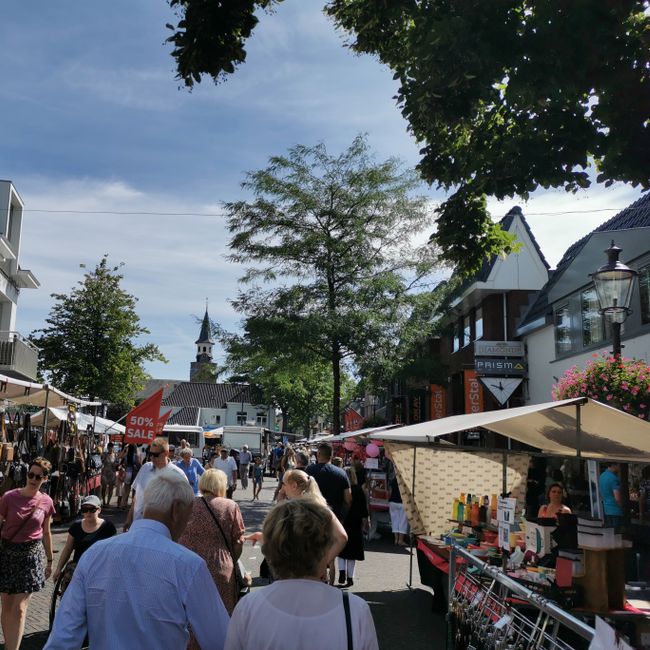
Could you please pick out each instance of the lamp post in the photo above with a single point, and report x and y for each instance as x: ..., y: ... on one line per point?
x: 613, y: 283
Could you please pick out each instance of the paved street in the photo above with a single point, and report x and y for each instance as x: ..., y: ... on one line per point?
x: 403, y: 617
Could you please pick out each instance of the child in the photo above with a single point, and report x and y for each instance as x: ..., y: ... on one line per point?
x: 120, y: 477
x: 258, y: 476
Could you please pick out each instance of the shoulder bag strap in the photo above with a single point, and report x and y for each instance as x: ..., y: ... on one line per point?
x: 216, y: 521
x: 348, y: 620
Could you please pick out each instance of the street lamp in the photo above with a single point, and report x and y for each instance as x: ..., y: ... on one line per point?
x: 613, y: 282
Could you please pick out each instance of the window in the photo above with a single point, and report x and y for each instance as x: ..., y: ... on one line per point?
x: 467, y: 332
x: 563, y: 330
x: 241, y: 418
x: 455, y: 346
x: 644, y: 291
x: 478, y: 323
x: 592, y: 321
x: 261, y: 419
x: 216, y: 419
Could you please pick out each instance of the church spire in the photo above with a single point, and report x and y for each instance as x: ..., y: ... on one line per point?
x: 204, y: 365
x: 204, y: 336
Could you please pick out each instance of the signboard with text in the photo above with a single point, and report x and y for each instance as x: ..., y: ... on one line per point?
x: 438, y: 402
x: 473, y: 392
x: 496, y: 367
x: 499, y: 349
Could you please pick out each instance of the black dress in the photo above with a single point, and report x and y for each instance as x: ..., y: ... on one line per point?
x: 352, y: 523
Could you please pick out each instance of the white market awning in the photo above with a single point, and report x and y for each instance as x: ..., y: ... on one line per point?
x: 56, y: 415
x: 603, y: 432
x: 361, y: 432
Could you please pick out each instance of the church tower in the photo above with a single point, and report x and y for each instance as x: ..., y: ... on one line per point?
x: 203, y: 369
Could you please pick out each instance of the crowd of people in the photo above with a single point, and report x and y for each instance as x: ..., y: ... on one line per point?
x: 185, y: 535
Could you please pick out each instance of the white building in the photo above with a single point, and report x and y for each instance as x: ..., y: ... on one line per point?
x: 564, y: 328
x: 18, y: 358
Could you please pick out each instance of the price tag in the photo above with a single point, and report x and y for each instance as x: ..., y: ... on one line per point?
x: 503, y: 622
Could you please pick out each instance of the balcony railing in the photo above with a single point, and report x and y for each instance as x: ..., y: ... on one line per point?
x: 17, y: 355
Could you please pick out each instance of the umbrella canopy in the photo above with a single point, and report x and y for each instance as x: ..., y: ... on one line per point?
x: 559, y: 428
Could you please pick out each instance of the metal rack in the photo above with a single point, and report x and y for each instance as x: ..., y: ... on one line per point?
x: 481, y: 614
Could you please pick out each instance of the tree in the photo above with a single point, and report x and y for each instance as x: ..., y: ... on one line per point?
x: 334, y: 237
x: 504, y: 96
x: 89, y: 347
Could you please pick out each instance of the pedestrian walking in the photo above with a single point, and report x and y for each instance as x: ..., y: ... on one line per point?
x: 215, y: 532
x: 143, y: 590
x: 191, y: 468
x: 287, y: 462
x: 398, y: 521
x: 25, y: 549
x: 356, y: 523
x: 228, y: 466
x: 298, y: 610
x: 258, y: 477
x: 245, y: 458
x: 109, y: 470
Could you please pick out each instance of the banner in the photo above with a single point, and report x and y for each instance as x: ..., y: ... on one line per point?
x: 143, y: 422
x: 438, y: 402
x: 162, y: 421
x: 417, y: 401
x: 473, y: 393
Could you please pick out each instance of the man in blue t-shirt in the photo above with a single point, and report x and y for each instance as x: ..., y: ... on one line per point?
x: 332, y: 481
x: 610, y: 494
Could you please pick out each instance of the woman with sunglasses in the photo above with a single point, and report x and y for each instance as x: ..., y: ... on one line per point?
x: 83, y: 534
x: 25, y: 550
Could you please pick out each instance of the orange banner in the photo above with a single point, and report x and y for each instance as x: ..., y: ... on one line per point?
x: 438, y: 401
x: 473, y: 392
x: 142, y: 423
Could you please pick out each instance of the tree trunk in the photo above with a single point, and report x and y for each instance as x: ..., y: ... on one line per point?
x: 336, y: 398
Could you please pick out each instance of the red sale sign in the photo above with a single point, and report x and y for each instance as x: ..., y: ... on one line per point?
x: 144, y: 422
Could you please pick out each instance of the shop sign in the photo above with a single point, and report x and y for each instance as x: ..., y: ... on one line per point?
x: 416, y: 406
x: 399, y: 410
x: 495, y: 367
x: 473, y: 392
x: 438, y: 401
x: 499, y: 349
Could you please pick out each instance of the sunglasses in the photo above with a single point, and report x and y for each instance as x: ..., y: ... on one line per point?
x: 32, y: 476
x: 155, y: 454
x: 89, y: 509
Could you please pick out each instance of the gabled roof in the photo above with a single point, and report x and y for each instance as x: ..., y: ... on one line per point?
x: 187, y: 416
x: 483, y: 274
x: 204, y: 395
x: 636, y: 215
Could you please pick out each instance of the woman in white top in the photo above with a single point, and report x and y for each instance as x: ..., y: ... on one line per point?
x: 300, y: 539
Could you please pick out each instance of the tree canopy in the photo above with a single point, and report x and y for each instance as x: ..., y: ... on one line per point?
x: 504, y: 97
x: 89, y: 345
x: 333, y: 236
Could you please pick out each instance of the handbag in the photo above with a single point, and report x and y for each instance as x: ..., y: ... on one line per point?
x: 242, y: 586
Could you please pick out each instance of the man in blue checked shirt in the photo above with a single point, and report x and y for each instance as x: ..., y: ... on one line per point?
x: 141, y: 589
x: 191, y: 467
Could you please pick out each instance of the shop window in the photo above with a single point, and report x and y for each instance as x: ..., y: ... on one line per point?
x: 563, y: 342
x: 592, y: 321
x: 644, y: 291
x: 478, y: 323
x: 467, y: 332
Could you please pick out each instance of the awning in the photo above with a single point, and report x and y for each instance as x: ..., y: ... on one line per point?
x: 56, y: 415
x: 213, y: 433
x: 603, y: 431
x: 360, y: 433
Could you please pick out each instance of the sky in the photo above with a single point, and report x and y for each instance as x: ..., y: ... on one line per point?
x: 94, y: 125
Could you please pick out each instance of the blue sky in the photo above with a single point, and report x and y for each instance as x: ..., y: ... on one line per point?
x: 94, y: 120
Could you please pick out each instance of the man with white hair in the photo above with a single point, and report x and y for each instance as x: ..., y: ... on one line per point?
x: 142, y: 589
x: 245, y: 458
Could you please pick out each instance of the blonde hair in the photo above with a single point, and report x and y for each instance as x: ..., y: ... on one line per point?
x: 297, y: 535
x: 306, y: 484
x: 214, y: 481
x: 163, y: 443
x: 352, y: 475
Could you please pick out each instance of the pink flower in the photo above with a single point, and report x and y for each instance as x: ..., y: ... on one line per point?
x: 610, y: 397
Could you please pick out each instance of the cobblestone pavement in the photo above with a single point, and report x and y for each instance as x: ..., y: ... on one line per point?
x: 403, y: 617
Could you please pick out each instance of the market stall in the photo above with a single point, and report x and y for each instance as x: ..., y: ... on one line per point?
x: 449, y: 492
